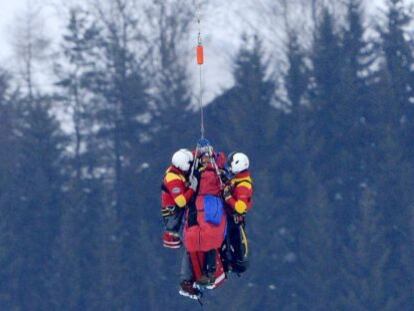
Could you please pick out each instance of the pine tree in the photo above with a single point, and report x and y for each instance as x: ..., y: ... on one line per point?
x: 30, y: 46
x: 355, y: 113
x: 297, y: 76
x: 341, y: 126
x: 325, y: 92
x: 37, y: 184
x: 171, y: 24
x: 37, y: 210
x: 396, y: 170
x: 294, y: 126
x: 317, y: 258
x: 121, y: 99
x: 75, y: 255
x: 171, y: 92
x: 320, y: 237
x: 326, y: 131
x: 366, y: 259
x: 399, y: 59
x: 8, y: 194
x: 72, y: 72
x: 291, y: 169
x: 8, y: 124
x: 244, y: 112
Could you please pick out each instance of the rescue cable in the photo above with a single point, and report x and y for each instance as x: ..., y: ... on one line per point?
x: 200, y: 62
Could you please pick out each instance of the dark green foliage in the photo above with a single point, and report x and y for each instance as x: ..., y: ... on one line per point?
x: 297, y: 77
x: 397, y: 167
x: 32, y: 202
x: 331, y: 157
x: 365, y: 261
x: 398, y: 53
x: 238, y: 110
x: 8, y: 196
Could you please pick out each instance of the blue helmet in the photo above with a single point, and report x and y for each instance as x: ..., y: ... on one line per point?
x: 204, y: 146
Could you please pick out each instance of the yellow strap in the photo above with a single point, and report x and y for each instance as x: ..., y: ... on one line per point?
x: 244, y: 241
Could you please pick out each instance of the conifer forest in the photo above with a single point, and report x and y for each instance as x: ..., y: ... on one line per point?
x: 324, y: 109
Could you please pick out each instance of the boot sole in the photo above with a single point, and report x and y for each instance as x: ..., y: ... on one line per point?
x: 185, y: 294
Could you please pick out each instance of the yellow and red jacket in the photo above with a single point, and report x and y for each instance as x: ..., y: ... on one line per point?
x: 174, y: 189
x: 241, y: 191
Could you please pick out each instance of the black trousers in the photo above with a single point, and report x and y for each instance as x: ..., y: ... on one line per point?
x: 234, y: 252
x: 173, y: 221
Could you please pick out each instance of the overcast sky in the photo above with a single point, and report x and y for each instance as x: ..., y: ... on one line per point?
x: 10, y: 9
x: 220, y: 39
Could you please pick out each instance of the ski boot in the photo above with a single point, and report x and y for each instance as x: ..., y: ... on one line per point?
x: 187, y: 289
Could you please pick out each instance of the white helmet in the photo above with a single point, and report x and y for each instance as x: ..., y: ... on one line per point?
x: 238, y: 162
x: 182, y: 159
x: 188, y: 152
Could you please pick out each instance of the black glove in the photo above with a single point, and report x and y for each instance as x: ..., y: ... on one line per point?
x: 227, y: 193
x: 197, y: 173
x: 224, y: 176
x: 238, y: 218
x: 168, y: 211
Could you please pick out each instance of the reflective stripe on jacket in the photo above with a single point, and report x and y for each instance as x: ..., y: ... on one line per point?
x: 177, y: 193
x: 242, y: 192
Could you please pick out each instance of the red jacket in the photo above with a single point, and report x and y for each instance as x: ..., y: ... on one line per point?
x: 175, y: 191
x: 241, y: 190
x: 209, y: 182
x: 220, y: 159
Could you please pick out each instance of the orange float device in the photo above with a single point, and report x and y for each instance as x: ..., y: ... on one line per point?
x: 200, y: 55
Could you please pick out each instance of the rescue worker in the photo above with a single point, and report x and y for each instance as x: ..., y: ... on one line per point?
x: 177, y: 191
x: 237, y: 194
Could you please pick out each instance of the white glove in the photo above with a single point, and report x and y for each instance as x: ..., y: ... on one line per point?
x: 193, y: 182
